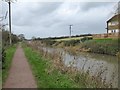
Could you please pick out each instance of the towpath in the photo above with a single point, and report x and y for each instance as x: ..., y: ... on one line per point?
x: 20, y: 74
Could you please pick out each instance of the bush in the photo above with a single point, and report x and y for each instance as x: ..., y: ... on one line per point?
x: 3, y: 58
x: 47, y: 42
x: 71, y: 42
x: 86, y: 38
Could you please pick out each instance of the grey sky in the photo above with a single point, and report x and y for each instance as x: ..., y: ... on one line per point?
x: 49, y: 19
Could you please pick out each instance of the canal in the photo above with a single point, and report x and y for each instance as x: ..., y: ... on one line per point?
x: 104, y: 66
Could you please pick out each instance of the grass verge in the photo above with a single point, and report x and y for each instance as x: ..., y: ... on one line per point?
x: 8, y: 60
x: 1, y: 79
x: 47, y: 77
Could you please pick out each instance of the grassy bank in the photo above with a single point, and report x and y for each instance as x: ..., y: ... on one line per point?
x: 8, y: 59
x: 106, y: 46
x: 102, y: 46
x: 47, y: 76
x: 50, y: 71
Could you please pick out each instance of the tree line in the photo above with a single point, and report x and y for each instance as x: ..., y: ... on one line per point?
x: 62, y: 37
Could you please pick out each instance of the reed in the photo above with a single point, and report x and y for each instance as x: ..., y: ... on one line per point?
x: 81, y: 77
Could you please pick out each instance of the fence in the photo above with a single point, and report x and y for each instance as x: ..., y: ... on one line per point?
x: 109, y: 35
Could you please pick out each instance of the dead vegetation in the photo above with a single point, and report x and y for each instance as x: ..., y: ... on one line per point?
x: 80, y: 77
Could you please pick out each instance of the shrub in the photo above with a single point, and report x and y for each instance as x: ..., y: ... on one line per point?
x: 3, y: 58
x: 86, y: 38
x: 48, y: 42
x: 71, y: 42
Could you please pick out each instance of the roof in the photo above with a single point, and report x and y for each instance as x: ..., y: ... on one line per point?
x: 115, y: 18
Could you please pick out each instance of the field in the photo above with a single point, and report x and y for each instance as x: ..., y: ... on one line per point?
x: 72, y: 38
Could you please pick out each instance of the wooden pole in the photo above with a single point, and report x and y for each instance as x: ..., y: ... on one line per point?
x: 10, y: 22
x: 70, y: 30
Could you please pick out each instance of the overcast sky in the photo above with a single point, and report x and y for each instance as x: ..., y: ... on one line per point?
x: 50, y: 19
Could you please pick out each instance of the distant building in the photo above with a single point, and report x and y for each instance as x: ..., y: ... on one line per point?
x: 113, y: 24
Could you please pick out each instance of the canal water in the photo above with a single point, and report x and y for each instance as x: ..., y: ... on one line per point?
x: 96, y: 63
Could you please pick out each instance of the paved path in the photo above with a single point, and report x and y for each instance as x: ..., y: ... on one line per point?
x: 20, y: 74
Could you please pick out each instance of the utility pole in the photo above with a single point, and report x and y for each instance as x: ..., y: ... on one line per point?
x: 10, y: 21
x: 70, y: 28
x: 10, y: 25
x: 9, y: 9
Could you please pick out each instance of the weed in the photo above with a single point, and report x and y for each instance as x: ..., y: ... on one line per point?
x: 84, y: 79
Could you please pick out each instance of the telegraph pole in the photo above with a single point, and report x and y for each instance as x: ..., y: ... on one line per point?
x: 10, y: 21
x: 70, y: 28
x: 9, y: 9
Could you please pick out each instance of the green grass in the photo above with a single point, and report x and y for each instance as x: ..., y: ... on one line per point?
x: 41, y: 67
x: 48, y: 76
x: 0, y: 79
x: 104, y: 40
x: 102, y: 46
x: 8, y: 59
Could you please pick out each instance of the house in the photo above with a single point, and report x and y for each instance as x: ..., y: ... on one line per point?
x: 113, y: 26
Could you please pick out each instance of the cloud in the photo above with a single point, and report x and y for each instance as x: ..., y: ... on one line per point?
x: 91, y: 5
x: 48, y: 19
x: 30, y: 13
